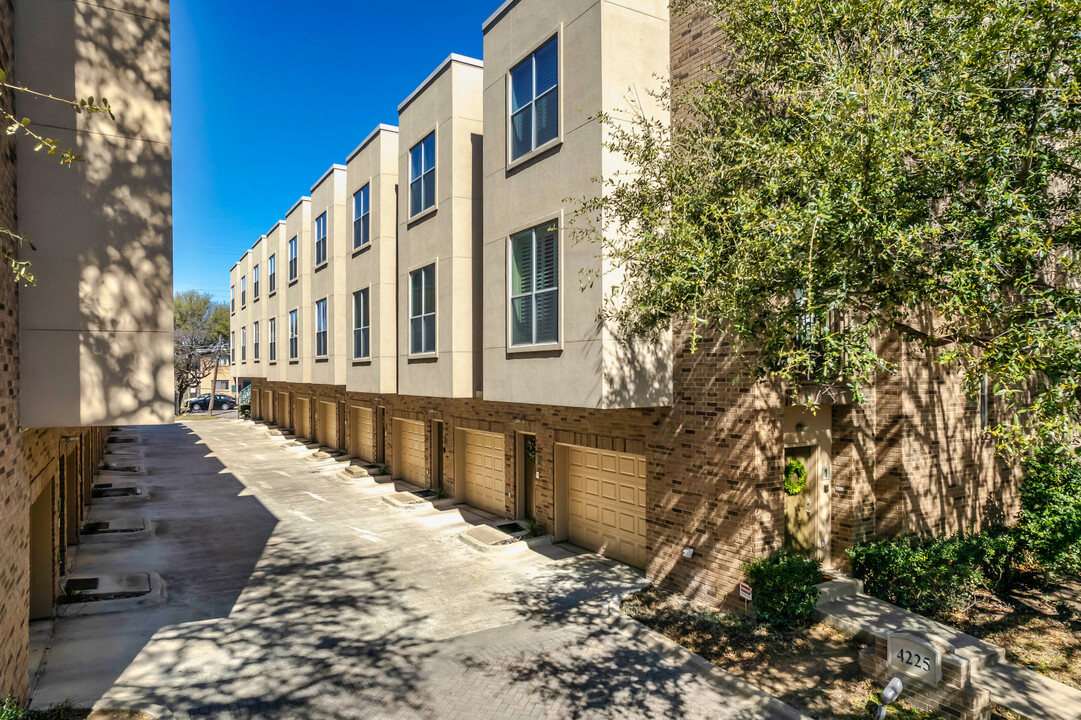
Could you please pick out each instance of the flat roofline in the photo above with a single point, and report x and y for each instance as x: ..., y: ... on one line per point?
x: 274, y: 227
x: 497, y: 15
x: 381, y: 127
x: 453, y: 57
x: 261, y: 239
x: 333, y: 167
x: 246, y: 254
x: 297, y: 204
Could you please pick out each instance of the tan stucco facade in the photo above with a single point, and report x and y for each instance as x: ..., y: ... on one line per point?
x: 328, y: 278
x: 96, y: 331
x: 608, y: 55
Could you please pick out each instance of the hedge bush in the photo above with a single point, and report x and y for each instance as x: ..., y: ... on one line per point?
x: 1049, y: 526
x: 784, y: 589
x: 934, y: 575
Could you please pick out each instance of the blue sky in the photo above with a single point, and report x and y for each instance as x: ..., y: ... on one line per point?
x: 267, y: 95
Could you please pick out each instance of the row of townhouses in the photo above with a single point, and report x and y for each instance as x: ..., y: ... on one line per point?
x: 429, y: 306
x: 89, y: 346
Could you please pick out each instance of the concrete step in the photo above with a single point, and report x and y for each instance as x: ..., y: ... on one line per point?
x: 1029, y: 693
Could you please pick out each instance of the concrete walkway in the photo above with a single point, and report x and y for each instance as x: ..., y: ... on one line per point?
x: 1023, y: 691
x: 295, y: 594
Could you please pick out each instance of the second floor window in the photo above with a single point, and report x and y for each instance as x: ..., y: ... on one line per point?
x: 422, y: 175
x: 272, y: 338
x: 321, y: 328
x: 272, y: 273
x: 232, y: 347
x: 320, y: 239
x: 361, y: 326
x: 362, y: 226
x: 534, y: 100
x: 255, y: 283
x: 243, y: 290
x: 255, y: 340
x: 534, y: 286
x: 232, y: 298
x: 294, y: 335
x: 293, y: 259
x: 422, y: 310
x: 243, y: 344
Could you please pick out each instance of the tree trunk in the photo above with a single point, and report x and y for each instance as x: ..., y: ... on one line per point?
x: 214, y: 381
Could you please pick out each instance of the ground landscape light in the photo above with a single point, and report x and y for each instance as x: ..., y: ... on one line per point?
x: 688, y: 552
x: 890, y: 693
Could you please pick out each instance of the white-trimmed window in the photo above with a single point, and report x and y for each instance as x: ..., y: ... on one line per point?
x: 255, y: 340
x: 232, y: 347
x: 534, y: 286
x: 255, y: 283
x: 272, y: 338
x: 321, y: 328
x: 422, y: 175
x: 232, y: 298
x: 243, y: 290
x: 534, y: 100
x: 362, y: 217
x: 272, y: 273
x: 293, y: 259
x: 244, y: 344
x: 361, y: 325
x: 320, y: 239
x: 294, y: 335
x: 422, y: 310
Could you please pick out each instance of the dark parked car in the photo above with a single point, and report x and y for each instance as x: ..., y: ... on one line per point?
x: 221, y: 402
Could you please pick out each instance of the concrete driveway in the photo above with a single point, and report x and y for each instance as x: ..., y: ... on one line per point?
x: 294, y: 594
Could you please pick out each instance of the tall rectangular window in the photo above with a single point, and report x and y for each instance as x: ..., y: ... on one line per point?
x: 422, y: 175
x: 255, y: 340
x: 321, y: 328
x: 272, y: 338
x: 243, y: 290
x: 255, y: 283
x: 293, y: 259
x: 294, y: 335
x: 422, y: 310
x: 534, y: 100
x: 272, y: 273
x: 244, y: 344
x: 320, y: 239
x: 232, y: 298
x: 361, y: 325
x: 232, y: 347
x: 534, y: 286
x: 362, y: 226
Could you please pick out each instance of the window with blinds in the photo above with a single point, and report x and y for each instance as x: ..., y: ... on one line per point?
x: 361, y: 325
x: 294, y: 335
x: 272, y: 338
x: 422, y: 310
x: 321, y: 328
x: 534, y: 100
x: 321, y: 239
x: 422, y: 175
x: 362, y: 226
x: 534, y: 286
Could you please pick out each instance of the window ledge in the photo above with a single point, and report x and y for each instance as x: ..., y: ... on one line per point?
x: 322, y: 359
x: 423, y: 214
x: 272, y: 362
x: 254, y: 300
x: 537, y: 152
x: 423, y: 357
x: 362, y: 248
x: 321, y: 266
x: 294, y: 281
x: 294, y: 362
x: 537, y: 348
x: 271, y: 294
x: 361, y: 361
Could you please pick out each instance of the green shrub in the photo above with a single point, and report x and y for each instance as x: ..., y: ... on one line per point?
x: 245, y: 410
x: 1049, y: 526
x: 933, y: 575
x: 784, y: 589
x: 11, y: 710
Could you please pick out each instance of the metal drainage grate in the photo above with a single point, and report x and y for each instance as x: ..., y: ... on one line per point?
x: 114, y: 492
x: 510, y: 527
x: 81, y: 584
x: 424, y: 494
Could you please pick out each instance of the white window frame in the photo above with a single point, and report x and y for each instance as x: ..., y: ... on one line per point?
x: 511, y: 296
x: 422, y: 316
x: 232, y: 299
x: 362, y: 330
x: 244, y: 344
x: 294, y: 334
x: 255, y: 341
x: 272, y: 339
x: 321, y: 325
x: 255, y: 282
x: 293, y: 262
x: 363, y: 215
x: 272, y: 274
x: 535, y: 150
x: 320, y: 239
x: 232, y: 347
x: 243, y: 291
x: 414, y: 212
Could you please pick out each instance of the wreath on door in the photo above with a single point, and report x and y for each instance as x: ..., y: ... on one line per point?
x: 795, y: 477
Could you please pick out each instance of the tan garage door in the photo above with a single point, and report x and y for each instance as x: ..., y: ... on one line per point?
x: 362, y: 427
x: 327, y: 428
x: 302, y: 419
x: 483, y: 471
x: 409, y: 451
x: 606, y: 493
x: 281, y: 414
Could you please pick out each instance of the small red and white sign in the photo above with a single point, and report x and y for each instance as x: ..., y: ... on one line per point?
x: 745, y: 591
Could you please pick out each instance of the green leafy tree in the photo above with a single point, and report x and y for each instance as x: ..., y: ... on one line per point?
x: 200, y: 327
x: 51, y: 146
x: 862, y: 169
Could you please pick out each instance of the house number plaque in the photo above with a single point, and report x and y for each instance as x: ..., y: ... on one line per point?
x: 914, y: 657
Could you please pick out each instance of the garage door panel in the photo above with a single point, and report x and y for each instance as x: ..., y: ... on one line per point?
x: 485, y: 470
x: 606, y: 503
x: 409, y: 451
